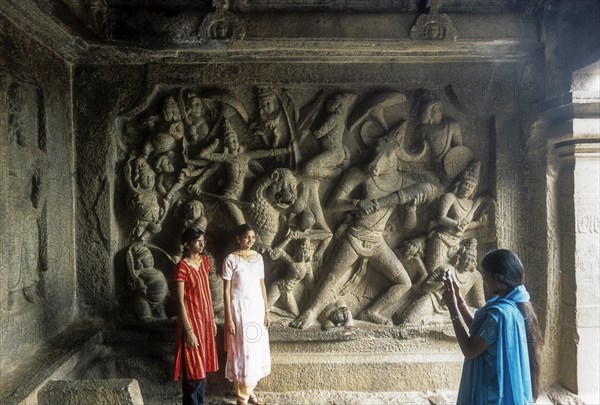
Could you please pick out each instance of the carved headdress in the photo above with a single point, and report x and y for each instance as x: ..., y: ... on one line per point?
x: 471, y: 173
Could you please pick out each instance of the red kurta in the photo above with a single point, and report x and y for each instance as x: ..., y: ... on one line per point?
x: 198, y: 305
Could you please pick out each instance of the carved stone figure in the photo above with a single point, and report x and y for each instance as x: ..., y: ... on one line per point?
x: 170, y: 132
x: 271, y: 194
x: 369, y: 193
x: 337, y: 315
x: 148, y: 284
x: 298, y: 269
x: 143, y: 200
x: 237, y: 166
x: 192, y: 214
x: 463, y: 269
x: 299, y: 264
x: 438, y: 132
x: 27, y: 183
x: 434, y: 26
x: 330, y: 159
x: 270, y: 127
x: 412, y: 255
x: 165, y: 171
x: 330, y: 135
x: 454, y: 216
x: 202, y: 120
x: 222, y: 24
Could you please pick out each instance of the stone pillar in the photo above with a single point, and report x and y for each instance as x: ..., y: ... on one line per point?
x: 575, y: 143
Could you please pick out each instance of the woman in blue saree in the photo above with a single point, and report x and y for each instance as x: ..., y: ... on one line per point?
x: 502, y: 350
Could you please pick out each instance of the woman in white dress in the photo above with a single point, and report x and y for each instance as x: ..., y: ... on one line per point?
x: 246, y: 317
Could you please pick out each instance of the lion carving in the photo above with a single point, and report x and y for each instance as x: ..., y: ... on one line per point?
x: 271, y: 194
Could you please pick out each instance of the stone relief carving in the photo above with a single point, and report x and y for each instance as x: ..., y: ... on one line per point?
x: 456, y: 214
x: 144, y: 199
x: 307, y: 253
x: 429, y: 306
x: 222, y: 24
x: 237, y: 165
x: 369, y: 193
x: 26, y: 169
x: 345, y: 188
x: 148, y: 284
x: 434, y: 26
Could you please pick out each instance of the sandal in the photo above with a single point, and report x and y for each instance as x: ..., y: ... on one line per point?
x: 256, y: 400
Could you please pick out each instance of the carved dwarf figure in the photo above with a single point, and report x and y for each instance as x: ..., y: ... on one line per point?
x: 148, y: 284
x: 192, y: 214
x: 411, y: 255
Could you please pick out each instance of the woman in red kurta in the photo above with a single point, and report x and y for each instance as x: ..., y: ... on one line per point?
x: 196, y: 352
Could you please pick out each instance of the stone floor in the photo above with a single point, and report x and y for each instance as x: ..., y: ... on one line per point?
x: 86, y: 353
x: 560, y: 396
x: 329, y: 398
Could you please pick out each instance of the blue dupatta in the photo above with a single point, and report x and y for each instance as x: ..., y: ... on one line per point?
x: 501, y: 374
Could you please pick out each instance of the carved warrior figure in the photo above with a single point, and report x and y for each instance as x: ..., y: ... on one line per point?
x: 370, y: 193
x: 330, y: 135
x: 202, y: 124
x: 143, y: 199
x: 148, y: 284
x: 300, y: 263
x: 329, y: 160
x: 271, y: 127
x: 463, y: 269
x: 438, y: 132
x: 164, y: 141
x: 237, y: 166
x: 455, y: 216
x: 201, y: 119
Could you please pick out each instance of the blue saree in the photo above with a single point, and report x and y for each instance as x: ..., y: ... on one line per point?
x: 501, y: 374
